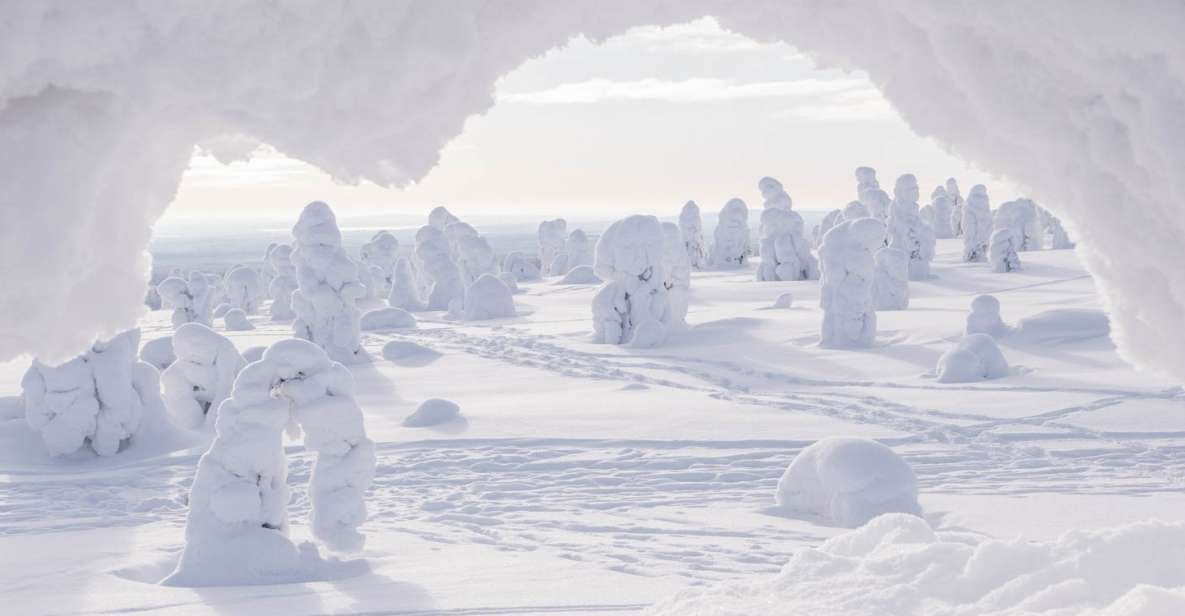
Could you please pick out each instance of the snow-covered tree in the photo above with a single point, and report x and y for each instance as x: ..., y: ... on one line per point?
x: 1002, y: 254
x: 832, y: 218
x: 731, y: 248
x: 579, y: 251
x: 977, y: 224
x: 868, y: 192
x: 201, y: 376
x: 940, y: 208
x: 891, y: 283
x: 975, y: 358
x: 432, y: 250
x: 98, y: 400
x: 217, y: 289
x: 521, y: 266
x: 956, y: 206
x: 488, y: 298
x: 283, y: 282
x: 236, y: 531
x: 552, y: 234
x: 852, y: 211
x: 632, y: 306
x: 985, y: 318
x: 1020, y: 217
x: 404, y: 290
x: 1052, y: 226
x: 785, y: 252
x: 325, y: 300
x: 381, y: 252
x: 243, y: 288
x: 475, y: 257
x: 441, y: 218
x: 847, y: 264
x: 190, y: 298
x: 677, y: 266
x: 773, y: 194
x: 907, y: 230
x: 691, y: 228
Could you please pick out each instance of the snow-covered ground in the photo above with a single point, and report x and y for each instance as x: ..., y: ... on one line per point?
x: 586, y: 478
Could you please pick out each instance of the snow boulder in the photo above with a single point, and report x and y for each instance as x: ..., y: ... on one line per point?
x: 253, y: 353
x: 984, y: 317
x: 847, y: 482
x: 731, y: 248
x: 583, y: 274
x: 633, y: 300
x: 387, y: 318
x: 1062, y: 325
x: 235, y: 320
x: 433, y: 412
x: 975, y: 358
x: 202, y: 377
x: 488, y: 298
x: 158, y: 352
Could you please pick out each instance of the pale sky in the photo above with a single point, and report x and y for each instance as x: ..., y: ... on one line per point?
x: 641, y: 123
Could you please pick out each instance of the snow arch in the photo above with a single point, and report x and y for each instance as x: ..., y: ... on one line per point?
x: 100, y: 106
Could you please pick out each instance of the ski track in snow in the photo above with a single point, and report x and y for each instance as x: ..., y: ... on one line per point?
x: 642, y: 507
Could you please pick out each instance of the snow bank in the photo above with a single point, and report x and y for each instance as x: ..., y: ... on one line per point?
x: 433, y: 412
x: 235, y: 320
x: 237, y: 528
x: 984, y: 317
x: 846, y: 260
x: 583, y: 274
x: 848, y: 481
x: 488, y: 298
x: 98, y: 400
x: 731, y: 249
x: 1061, y: 326
x: 691, y: 229
x: 632, y: 307
x: 327, y: 286
x: 897, y: 564
x: 552, y: 234
x: 387, y: 318
x: 201, y: 377
x: 158, y: 352
x: 975, y: 358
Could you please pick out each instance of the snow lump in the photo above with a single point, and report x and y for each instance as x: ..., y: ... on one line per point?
x: 975, y: 358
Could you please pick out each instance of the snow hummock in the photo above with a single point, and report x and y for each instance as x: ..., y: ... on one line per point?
x: 235, y: 320
x: 237, y: 528
x: 582, y: 274
x: 975, y: 358
x: 897, y: 564
x: 397, y: 350
x: 433, y: 412
x: 691, y: 229
x: 327, y: 286
x: 848, y: 481
x: 488, y: 298
x: 98, y: 400
x: 846, y: 261
x: 201, y: 377
x: 387, y: 318
x: 632, y: 307
x: 731, y: 248
x: 985, y: 318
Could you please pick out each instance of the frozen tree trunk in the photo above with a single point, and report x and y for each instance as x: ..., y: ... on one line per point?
x: 381, y: 252
x: 283, y: 282
x: 847, y: 263
x: 956, y: 207
x: 977, y: 224
x: 632, y: 307
x: 677, y: 266
x: 325, y: 300
x: 1002, y: 254
x: 446, y: 286
x: 404, y: 291
x: 691, y: 228
x: 891, y: 283
x: 201, y: 376
x: 243, y: 288
x: 785, y: 252
x: 190, y: 298
x: 731, y: 248
x: 98, y: 400
x: 907, y: 230
x: 552, y: 234
x: 237, y: 528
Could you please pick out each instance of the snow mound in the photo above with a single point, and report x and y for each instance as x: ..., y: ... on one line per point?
x: 848, y: 481
x: 158, y: 352
x: 985, y: 317
x: 387, y: 318
x: 488, y: 298
x: 977, y: 357
x: 396, y: 350
x: 784, y: 300
x: 433, y: 412
x: 1061, y: 326
x: 581, y: 274
x: 236, y: 321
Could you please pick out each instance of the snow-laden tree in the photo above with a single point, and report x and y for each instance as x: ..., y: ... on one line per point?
x: 441, y: 218
x: 243, y: 288
x: 985, y: 318
x: 890, y: 286
x: 283, y: 282
x: 152, y: 298
x: 868, y: 192
x: 773, y: 194
x: 381, y: 252
x: 975, y: 358
x: 552, y: 235
x: 731, y: 247
x: 521, y: 266
x: 785, y: 251
x: 941, y: 211
x: 237, y: 528
x: 201, y: 376
x: 1002, y: 253
x: 190, y: 298
x: 446, y: 285
x: 691, y: 228
x: 907, y: 230
x: 632, y: 307
x: 217, y: 289
x: 832, y: 218
x: 677, y: 266
x: 977, y: 224
x: 1052, y: 226
x: 235, y: 320
x: 488, y: 298
x: 475, y: 258
x: 956, y: 206
x: 405, y: 292
x: 578, y: 251
x: 325, y: 300
x: 98, y: 400
x: 848, y: 267
x: 1020, y: 217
